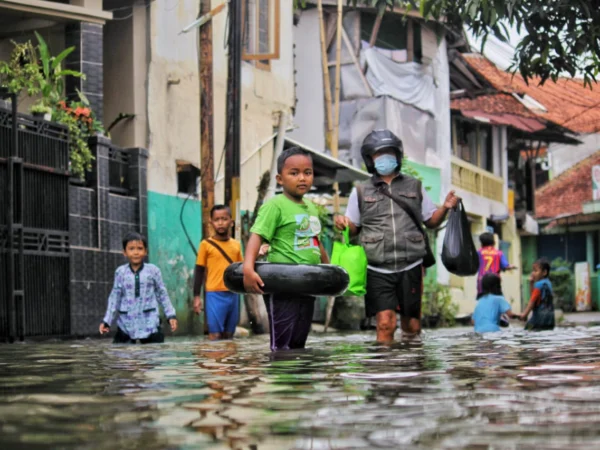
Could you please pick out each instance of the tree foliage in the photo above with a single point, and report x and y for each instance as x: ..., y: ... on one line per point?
x: 563, y: 36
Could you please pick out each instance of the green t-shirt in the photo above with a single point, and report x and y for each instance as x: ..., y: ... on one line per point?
x: 291, y: 229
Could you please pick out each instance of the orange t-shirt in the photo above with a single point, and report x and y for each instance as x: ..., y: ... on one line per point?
x: 215, y: 262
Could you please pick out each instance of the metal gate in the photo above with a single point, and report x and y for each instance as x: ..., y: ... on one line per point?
x: 34, y: 227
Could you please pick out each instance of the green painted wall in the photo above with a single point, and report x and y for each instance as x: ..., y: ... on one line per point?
x: 528, y: 252
x: 431, y: 178
x: 170, y: 250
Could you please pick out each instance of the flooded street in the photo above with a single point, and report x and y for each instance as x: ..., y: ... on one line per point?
x: 456, y: 390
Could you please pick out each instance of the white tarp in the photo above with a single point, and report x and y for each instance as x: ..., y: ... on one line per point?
x: 411, y: 83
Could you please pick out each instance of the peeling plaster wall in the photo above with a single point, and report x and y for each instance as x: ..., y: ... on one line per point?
x: 174, y: 133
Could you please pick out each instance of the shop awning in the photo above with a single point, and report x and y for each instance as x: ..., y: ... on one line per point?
x: 328, y: 170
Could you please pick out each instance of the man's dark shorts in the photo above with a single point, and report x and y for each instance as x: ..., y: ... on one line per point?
x: 401, y: 292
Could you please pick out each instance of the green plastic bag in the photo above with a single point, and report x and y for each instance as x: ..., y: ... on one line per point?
x: 353, y: 259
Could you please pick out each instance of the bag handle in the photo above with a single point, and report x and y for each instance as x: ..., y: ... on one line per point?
x: 346, y: 236
x: 218, y: 247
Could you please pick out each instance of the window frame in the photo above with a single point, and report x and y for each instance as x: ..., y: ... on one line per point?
x: 274, y: 17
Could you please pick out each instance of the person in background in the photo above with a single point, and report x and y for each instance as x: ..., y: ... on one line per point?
x: 541, y: 300
x: 137, y: 291
x: 290, y: 224
x: 491, y: 306
x: 214, y: 256
x: 491, y: 260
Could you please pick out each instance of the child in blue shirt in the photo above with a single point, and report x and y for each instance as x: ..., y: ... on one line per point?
x: 541, y: 301
x: 491, y: 306
x: 137, y: 291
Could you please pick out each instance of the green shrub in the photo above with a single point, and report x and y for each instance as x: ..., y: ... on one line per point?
x: 563, y: 284
x: 437, y: 301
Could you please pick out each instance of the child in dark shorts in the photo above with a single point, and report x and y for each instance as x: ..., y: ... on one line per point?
x: 290, y: 224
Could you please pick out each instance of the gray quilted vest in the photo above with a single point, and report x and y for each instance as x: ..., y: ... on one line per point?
x: 389, y: 236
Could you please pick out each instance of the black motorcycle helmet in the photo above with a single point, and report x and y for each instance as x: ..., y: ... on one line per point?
x: 377, y: 140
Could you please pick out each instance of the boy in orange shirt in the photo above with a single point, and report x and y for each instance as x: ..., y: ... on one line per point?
x: 214, y: 256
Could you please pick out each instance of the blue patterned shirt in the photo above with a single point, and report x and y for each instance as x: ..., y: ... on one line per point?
x: 135, y: 296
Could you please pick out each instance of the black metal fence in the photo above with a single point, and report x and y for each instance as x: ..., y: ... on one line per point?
x: 34, y: 227
x: 60, y: 240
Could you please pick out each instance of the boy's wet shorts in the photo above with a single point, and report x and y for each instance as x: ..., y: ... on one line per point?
x: 222, y: 311
x: 400, y: 291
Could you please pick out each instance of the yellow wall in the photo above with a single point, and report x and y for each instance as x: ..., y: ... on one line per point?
x: 464, y: 289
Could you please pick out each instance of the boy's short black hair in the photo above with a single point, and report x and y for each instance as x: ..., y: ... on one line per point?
x: 288, y: 153
x: 487, y: 239
x: 220, y: 208
x: 543, y: 264
x: 134, y: 236
x: 491, y: 284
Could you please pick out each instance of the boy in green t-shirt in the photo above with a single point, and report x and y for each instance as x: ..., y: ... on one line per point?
x: 291, y: 226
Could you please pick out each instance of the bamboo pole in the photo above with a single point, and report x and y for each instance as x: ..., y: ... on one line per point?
x: 336, y: 130
x: 326, y: 78
x: 356, y: 63
x: 336, y: 116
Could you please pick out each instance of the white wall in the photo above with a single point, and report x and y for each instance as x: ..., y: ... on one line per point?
x: 309, y: 114
x: 443, y: 151
x: 563, y: 157
x: 174, y: 111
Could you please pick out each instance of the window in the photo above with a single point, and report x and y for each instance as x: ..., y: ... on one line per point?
x: 398, y: 38
x: 260, y: 37
x: 188, y: 178
x: 474, y: 143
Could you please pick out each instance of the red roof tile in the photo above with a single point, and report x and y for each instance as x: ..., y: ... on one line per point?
x: 567, y: 101
x: 566, y: 194
x: 493, y: 104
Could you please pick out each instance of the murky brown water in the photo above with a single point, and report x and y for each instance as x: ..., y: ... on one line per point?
x: 456, y: 390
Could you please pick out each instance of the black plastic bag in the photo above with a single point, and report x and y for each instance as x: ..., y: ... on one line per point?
x: 459, y: 254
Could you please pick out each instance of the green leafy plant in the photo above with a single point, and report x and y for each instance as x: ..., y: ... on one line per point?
x: 563, y: 284
x: 82, y: 124
x: 21, y: 72
x: 52, y: 81
x: 40, y: 108
x: 437, y: 303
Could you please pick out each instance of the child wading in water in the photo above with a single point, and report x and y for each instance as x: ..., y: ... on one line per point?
x: 137, y: 291
x: 214, y: 256
x: 491, y: 260
x: 541, y: 301
x: 491, y: 305
x: 290, y: 224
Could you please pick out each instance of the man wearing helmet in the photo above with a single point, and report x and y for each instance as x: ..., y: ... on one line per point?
x: 395, y: 247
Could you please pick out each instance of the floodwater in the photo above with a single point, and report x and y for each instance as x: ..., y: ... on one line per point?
x: 511, y: 390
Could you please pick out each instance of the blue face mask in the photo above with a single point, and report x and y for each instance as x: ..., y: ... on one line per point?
x: 386, y: 164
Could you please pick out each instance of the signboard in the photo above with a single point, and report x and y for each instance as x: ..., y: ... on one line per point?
x: 583, y: 293
x: 596, y: 183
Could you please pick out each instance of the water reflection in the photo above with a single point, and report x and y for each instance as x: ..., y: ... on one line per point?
x: 455, y: 390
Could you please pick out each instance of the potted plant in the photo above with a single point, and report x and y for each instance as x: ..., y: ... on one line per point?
x: 40, y: 110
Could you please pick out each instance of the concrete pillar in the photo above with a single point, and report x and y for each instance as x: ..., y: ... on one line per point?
x: 138, y: 185
x: 87, y: 38
x: 590, y: 251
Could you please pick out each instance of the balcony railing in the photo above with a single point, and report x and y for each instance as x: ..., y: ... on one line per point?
x: 478, y: 181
